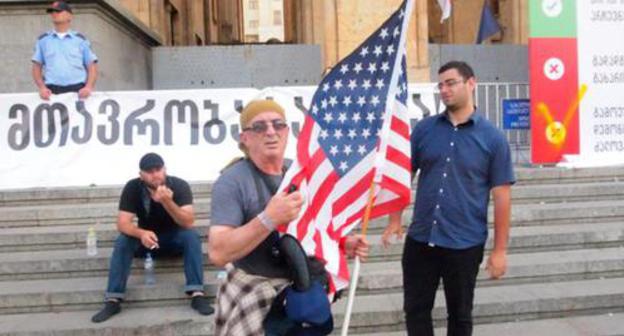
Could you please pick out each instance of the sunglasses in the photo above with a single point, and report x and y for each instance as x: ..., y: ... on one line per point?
x: 263, y: 126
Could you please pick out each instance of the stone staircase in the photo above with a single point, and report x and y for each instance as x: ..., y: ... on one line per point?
x: 565, y: 277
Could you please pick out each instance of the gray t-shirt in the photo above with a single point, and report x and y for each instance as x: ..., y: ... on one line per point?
x: 235, y: 201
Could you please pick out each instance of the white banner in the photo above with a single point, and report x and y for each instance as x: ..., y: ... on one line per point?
x: 601, y: 69
x: 99, y: 141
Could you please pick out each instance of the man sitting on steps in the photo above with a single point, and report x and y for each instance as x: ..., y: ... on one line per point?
x: 163, y: 205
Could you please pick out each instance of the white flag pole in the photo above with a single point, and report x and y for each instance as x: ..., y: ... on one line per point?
x: 356, y: 268
x: 352, y: 288
x: 371, y: 198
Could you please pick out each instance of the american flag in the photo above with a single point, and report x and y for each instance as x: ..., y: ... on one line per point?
x: 356, y: 132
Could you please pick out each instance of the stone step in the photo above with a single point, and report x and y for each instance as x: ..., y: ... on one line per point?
x: 110, y: 194
x: 181, y: 320
x: 18, y: 239
x: 74, y: 214
x: 79, y: 195
x: 161, y: 320
x: 67, y: 236
x: 53, y: 295
x: 560, y: 213
x: 534, y: 239
x: 522, y: 214
x: 56, y: 237
x: 60, y: 264
x: 522, y: 268
x: 546, y: 237
x: 383, y: 312
x: 69, y: 261
x: 609, y: 324
x: 569, y: 192
x: 522, y: 193
x: 77, y: 293
x: 554, y: 175
x: 544, y: 214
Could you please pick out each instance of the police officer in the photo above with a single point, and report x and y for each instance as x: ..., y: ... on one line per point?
x: 63, y: 60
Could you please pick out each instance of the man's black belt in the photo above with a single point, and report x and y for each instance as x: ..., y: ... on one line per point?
x: 59, y: 89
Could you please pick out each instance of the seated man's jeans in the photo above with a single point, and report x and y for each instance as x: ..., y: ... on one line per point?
x: 185, y: 242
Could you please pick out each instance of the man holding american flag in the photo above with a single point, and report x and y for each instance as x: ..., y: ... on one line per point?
x: 246, y: 210
x: 352, y: 159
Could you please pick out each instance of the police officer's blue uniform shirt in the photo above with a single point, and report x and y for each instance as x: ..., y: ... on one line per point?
x: 64, y: 60
x: 458, y: 168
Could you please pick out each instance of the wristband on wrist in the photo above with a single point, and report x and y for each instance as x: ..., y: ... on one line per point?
x: 266, y: 221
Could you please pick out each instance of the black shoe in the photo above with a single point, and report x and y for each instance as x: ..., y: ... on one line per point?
x: 110, y: 308
x: 202, y: 305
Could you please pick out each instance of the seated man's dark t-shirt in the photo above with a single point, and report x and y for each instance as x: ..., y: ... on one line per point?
x: 135, y: 198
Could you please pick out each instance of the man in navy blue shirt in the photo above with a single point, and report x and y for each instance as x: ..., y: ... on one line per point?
x: 462, y: 158
x: 63, y: 60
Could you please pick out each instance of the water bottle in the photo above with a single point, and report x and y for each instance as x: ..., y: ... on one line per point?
x: 150, y: 277
x: 221, y: 275
x: 91, y: 242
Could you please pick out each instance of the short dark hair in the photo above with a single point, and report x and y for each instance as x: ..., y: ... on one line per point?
x: 462, y: 67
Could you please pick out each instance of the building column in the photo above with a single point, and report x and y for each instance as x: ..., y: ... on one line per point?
x: 319, y: 24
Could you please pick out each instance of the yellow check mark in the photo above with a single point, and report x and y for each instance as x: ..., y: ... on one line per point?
x: 556, y: 131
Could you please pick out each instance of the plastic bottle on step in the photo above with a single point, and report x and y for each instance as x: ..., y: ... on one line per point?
x: 150, y: 277
x: 91, y: 242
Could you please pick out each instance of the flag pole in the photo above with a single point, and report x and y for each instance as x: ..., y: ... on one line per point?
x: 356, y: 267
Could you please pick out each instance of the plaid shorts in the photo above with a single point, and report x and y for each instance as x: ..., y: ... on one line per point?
x: 243, y: 301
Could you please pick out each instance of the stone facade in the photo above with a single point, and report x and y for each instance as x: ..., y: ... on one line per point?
x: 123, y: 32
x: 463, y: 25
x: 191, y: 22
x: 340, y: 26
x: 122, y: 43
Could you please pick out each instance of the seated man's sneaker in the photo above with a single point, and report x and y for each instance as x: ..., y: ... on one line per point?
x: 110, y: 308
x: 201, y: 304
